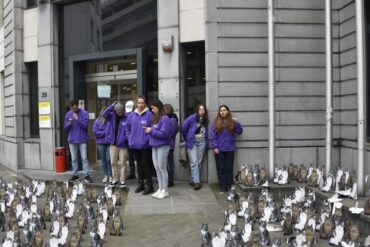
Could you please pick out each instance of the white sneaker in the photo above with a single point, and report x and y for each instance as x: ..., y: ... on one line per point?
x: 163, y: 194
x: 105, y: 179
x: 156, y: 193
x: 110, y: 180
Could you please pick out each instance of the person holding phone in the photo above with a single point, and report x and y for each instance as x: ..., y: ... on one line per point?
x: 76, y: 123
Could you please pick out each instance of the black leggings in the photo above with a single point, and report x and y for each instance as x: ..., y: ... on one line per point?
x: 143, y: 159
x: 225, y: 164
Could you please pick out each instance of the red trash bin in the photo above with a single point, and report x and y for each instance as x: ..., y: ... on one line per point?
x: 60, y: 159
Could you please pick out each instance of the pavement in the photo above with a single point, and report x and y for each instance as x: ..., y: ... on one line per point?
x: 174, y: 221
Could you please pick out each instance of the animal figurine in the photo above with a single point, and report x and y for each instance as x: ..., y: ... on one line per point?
x: 249, y: 177
x: 309, y: 234
x: 256, y: 241
x: 265, y: 235
x: 96, y: 241
x: 278, y: 173
x: 338, y: 177
x: 236, y: 236
x: 302, y: 174
x: 38, y: 238
x: 326, y: 228
x: 301, y: 220
x: 354, y: 233
x: 2, y: 221
x: 261, y: 205
x: 117, y: 224
x: 276, y: 242
x: 81, y: 222
x: 93, y: 195
x: 295, y: 212
x: 243, y: 202
x: 291, y: 171
x: 216, y: 240
x: 337, y: 234
x: 262, y: 175
x: 256, y: 175
x: 247, y: 231
x: 206, y: 237
x: 287, y: 224
x: 312, y: 180
x: 117, y: 194
x: 75, y: 238
x: 284, y: 176
x: 329, y: 182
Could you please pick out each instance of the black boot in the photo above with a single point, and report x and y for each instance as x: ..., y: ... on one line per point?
x: 148, y: 188
x: 140, y: 186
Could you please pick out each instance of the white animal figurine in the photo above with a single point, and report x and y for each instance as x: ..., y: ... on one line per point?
x: 337, y: 234
x: 247, y: 232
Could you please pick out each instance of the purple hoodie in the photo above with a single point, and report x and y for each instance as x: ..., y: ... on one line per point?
x: 188, y: 130
x: 77, y: 133
x: 160, y: 132
x: 224, y: 140
x: 137, y: 138
x: 100, y: 131
x: 111, y: 116
x: 173, y: 133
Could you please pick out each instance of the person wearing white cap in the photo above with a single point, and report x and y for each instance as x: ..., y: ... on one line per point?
x: 129, y: 107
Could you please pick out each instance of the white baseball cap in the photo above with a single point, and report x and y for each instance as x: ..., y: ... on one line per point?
x: 129, y: 106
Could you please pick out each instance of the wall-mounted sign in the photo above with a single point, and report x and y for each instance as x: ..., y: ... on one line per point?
x: 45, y: 121
x: 44, y: 108
x: 91, y: 115
x: 104, y: 91
x: 81, y: 104
x: 167, y: 43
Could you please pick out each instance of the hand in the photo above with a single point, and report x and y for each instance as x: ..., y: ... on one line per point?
x: 70, y: 122
x: 75, y: 116
x: 147, y: 130
x: 216, y: 151
x: 114, y: 103
x: 235, y: 119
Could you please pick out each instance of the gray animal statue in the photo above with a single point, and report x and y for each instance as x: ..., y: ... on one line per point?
x: 265, y: 235
x: 276, y: 242
x: 206, y: 237
x: 96, y: 241
x: 117, y: 224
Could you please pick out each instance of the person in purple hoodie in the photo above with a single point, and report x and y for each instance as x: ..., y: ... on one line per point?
x: 117, y: 138
x: 195, y: 133
x: 76, y: 123
x: 168, y: 109
x: 160, y: 139
x: 138, y: 141
x: 222, y: 139
x: 100, y: 129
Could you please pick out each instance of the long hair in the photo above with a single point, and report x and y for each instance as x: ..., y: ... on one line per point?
x: 221, y: 123
x: 205, y: 117
x: 101, y: 118
x: 157, y: 103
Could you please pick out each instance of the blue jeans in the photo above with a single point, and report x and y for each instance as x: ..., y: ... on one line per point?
x: 74, y: 156
x: 160, y: 156
x: 195, y: 155
x: 103, y: 150
x: 170, y: 166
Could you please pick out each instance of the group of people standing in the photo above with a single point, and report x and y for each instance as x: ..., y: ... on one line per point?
x: 147, y: 135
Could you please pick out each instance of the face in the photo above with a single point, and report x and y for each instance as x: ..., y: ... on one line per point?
x: 223, y: 112
x: 140, y: 104
x: 74, y: 108
x: 154, y: 109
x: 201, y: 111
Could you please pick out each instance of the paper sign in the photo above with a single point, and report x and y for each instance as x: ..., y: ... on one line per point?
x: 44, y: 108
x: 104, y: 91
x: 45, y: 121
x: 91, y: 115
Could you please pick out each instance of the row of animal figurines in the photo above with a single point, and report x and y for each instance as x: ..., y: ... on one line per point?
x: 19, y: 200
x: 298, y: 218
x: 342, y: 181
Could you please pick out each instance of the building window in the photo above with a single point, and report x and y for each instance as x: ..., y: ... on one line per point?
x: 34, y: 99
x: 31, y: 4
x: 2, y: 105
x: 193, y: 76
x: 367, y: 57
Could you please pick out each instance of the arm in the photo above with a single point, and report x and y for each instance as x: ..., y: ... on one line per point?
x: 185, y: 127
x: 83, y: 121
x: 213, y: 138
x: 174, y: 127
x: 163, y: 132
x: 107, y: 111
x: 238, y: 128
x: 128, y: 126
x: 97, y: 131
x: 67, y: 126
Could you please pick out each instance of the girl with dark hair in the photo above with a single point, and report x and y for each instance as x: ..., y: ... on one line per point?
x: 138, y: 141
x: 195, y: 133
x: 222, y: 139
x: 168, y: 109
x: 160, y: 139
x: 100, y: 129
